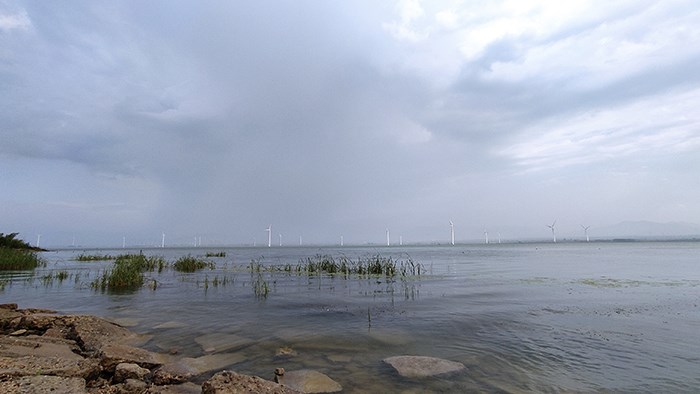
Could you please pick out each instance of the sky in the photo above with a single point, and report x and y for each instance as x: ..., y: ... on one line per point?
x: 126, y: 120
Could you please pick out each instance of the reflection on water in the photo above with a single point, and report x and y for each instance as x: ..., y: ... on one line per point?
x: 531, y: 317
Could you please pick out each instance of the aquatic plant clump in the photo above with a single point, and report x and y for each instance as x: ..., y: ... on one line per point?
x: 127, y: 272
x: 94, y: 257
x: 217, y: 254
x: 19, y: 259
x: 191, y: 264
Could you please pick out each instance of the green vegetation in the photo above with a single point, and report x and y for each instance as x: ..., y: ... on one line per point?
x: 16, y: 254
x: 10, y: 241
x: 18, y: 259
x: 127, y: 272
x: 218, y: 254
x: 94, y: 257
x: 260, y: 287
x: 191, y: 264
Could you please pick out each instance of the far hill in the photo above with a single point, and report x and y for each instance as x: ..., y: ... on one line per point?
x: 647, y: 229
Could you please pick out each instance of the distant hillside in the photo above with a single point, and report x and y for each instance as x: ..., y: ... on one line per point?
x: 648, y: 229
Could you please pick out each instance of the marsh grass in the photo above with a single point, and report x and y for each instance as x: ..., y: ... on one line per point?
x: 260, y: 287
x: 217, y: 254
x: 127, y: 272
x: 94, y: 257
x: 19, y: 259
x: 191, y: 264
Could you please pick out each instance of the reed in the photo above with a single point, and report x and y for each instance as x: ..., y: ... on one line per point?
x: 19, y: 259
x: 94, y: 257
x: 217, y: 254
x: 191, y: 264
x: 127, y: 272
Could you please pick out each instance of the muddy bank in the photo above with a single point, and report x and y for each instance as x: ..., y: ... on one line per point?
x: 44, y: 352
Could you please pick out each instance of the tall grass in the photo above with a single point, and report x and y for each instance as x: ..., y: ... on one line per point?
x: 19, y: 259
x: 191, y: 264
x: 127, y: 272
x: 94, y: 257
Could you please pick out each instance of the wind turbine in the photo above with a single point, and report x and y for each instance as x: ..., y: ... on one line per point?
x: 38, y: 240
x: 388, y: 243
x: 341, y: 240
x: 499, y: 238
x: 280, y: 239
x: 269, y: 235
x: 400, y: 240
x: 452, y: 233
x: 486, y: 236
x: 300, y: 242
x: 123, y: 242
x: 554, y: 235
x: 585, y: 231
x: 162, y: 241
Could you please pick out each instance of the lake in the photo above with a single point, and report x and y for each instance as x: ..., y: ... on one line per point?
x: 598, y: 316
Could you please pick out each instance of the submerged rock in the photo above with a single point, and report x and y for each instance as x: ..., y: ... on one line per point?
x: 188, y: 368
x: 220, y: 342
x: 307, y: 381
x: 229, y: 382
x: 422, y: 366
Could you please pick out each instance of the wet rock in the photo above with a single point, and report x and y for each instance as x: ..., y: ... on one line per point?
x: 220, y: 342
x: 285, y: 352
x: 17, y: 333
x: 93, y: 333
x: 129, y: 371
x: 114, y: 354
x: 421, y: 366
x: 188, y: 368
x: 229, y: 382
x: 308, y: 381
x: 184, y: 388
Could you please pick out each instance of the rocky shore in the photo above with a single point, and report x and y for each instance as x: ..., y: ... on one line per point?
x: 44, y: 352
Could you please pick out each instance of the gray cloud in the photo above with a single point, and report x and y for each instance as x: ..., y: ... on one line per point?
x: 221, y: 118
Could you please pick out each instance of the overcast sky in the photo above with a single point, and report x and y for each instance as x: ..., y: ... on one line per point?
x: 219, y: 118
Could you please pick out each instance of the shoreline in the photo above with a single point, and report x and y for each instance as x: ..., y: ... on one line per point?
x: 44, y: 351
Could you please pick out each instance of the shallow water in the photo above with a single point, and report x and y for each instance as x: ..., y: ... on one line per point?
x: 525, y: 317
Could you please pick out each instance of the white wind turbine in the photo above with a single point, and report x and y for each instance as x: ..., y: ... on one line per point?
x: 486, y: 236
x: 269, y: 236
x: 452, y: 233
x: 388, y: 243
x: 280, y: 239
x: 162, y: 241
x: 341, y: 240
x: 585, y: 231
x: 554, y: 235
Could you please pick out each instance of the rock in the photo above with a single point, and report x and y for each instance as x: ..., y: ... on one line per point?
x: 308, y: 381
x: 113, y: 354
x: 184, y: 388
x: 229, y: 382
x: 32, y: 355
x: 93, y: 333
x: 170, y: 324
x: 421, y: 366
x: 40, y: 384
x: 129, y: 371
x: 188, y: 368
x: 18, y: 332
x: 285, y: 352
x: 220, y: 342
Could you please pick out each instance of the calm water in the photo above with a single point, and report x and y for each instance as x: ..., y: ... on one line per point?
x: 530, y: 317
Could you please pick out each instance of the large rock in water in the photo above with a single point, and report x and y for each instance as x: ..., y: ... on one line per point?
x: 229, y: 382
x: 308, y: 381
x: 422, y: 366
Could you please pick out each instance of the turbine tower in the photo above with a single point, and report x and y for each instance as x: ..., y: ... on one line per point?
x: 554, y: 234
x: 486, y: 236
x: 341, y: 240
x: 269, y: 236
x: 38, y: 240
x: 452, y: 233
x: 162, y: 241
x: 300, y: 242
x: 123, y: 242
x: 585, y: 231
x: 280, y: 239
x: 388, y: 243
